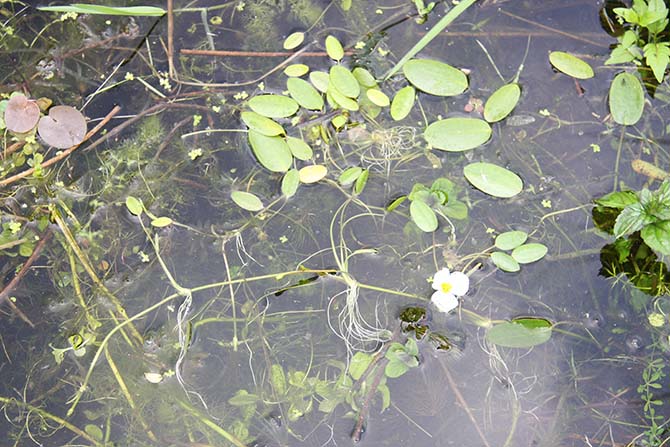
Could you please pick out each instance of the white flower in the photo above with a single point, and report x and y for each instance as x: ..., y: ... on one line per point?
x: 448, y: 287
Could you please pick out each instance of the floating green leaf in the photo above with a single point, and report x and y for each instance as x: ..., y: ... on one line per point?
x: 261, y: 124
x: 527, y: 253
x: 161, y: 222
x: 294, y: 40
x: 457, y: 134
x: 334, y: 48
x: 342, y: 101
x: 493, y: 180
x: 321, y: 80
x: 273, y: 106
x: 436, y: 78
x: 501, y: 102
x: 94, y: 431
x: 364, y: 77
x: 299, y: 149
x: 359, y: 364
x: 312, y: 173
x: 350, y: 175
x: 509, y: 240
x: 521, y: 333
x: 272, y: 152
x: 81, y: 8
x: 570, y: 65
x: 378, y: 97
x: 361, y: 181
x: 290, y: 183
x: 626, y: 99
x: 303, y: 92
x: 402, y: 104
x: 247, y: 200
x: 344, y: 81
x: 134, y: 205
x: 296, y: 70
x: 505, y: 262
x: 423, y: 216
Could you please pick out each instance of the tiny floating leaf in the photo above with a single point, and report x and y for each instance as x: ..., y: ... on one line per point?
x: 509, y: 240
x: 296, y: 70
x: 294, y: 40
x: 626, y: 99
x: 350, y: 175
x: 527, y: 253
x: 303, y: 92
x: 423, y: 216
x: 161, y: 222
x: 261, y: 124
x: 21, y: 114
x: 402, y: 104
x: 273, y: 106
x: 501, y: 102
x: 320, y: 79
x: 457, y: 134
x: 434, y: 77
x: 334, y: 48
x: 493, y: 180
x: 361, y: 181
x: 134, y: 205
x: 570, y: 65
x: 505, y: 262
x: 290, y: 183
x: 312, y: 173
x: 247, y: 200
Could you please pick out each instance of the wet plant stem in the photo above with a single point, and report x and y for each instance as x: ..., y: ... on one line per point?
x: 359, y: 428
x: 45, y: 414
x: 209, y: 423
x: 618, y: 159
x: 232, y: 294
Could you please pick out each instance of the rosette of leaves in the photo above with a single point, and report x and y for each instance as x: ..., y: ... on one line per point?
x: 426, y: 203
x: 521, y: 252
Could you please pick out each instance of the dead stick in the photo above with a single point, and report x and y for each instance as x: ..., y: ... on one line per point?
x: 233, y: 53
x: 13, y: 148
x: 553, y: 30
x: 170, y: 39
x: 63, y: 154
x: 357, y: 434
x: 4, y: 295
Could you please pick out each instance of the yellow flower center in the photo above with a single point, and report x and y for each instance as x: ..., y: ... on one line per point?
x: 446, y: 287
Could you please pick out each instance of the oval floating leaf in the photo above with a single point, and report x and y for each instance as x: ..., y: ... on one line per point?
x: 299, y: 148
x: 505, y: 262
x: 296, y: 70
x: 290, y: 183
x: 457, y: 134
x: 64, y: 127
x: 501, y: 102
x: 247, y: 200
x: 294, y: 40
x: 320, y: 79
x: 512, y: 334
x: 344, y: 81
x: 525, y: 254
x: 272, y: 152
x: 21, y: 114
x: 570, y: 65
x: 493, y: 179
x: 626, y: 99
x: 312, y: 173
x: 364, y: 77
x: 350, y: 175
x: 134, y: 205
x: 423, y: 216
x: 273, y: 106
x: 342, y: 101
x: 161, y: 222
x: 361, y: 181
x: 334, y: 48
x: 303, y: 92
x: 402, y: 104
x: 509, y: 240
x: 377, y: 97
x: 434, y: 77
x: 83, y: 8
x: 261, y: 124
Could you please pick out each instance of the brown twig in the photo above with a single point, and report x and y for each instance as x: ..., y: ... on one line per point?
x: 234, y: 53
x: 9, y: 288
x: 13, y: 148
x: 63, y: 154
x: 357, y: 434
x: 553, y: 30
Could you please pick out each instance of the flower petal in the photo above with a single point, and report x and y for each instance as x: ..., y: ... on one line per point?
x: 440, y: 277
x: 445, y: 302
x: 460, y: 283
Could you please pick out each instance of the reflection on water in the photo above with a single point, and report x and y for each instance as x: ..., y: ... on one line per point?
x: 265, y: 363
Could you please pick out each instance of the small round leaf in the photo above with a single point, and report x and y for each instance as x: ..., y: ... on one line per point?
x: 402, y: 104
x: 296, y: 70
x: 505, y: 262
x: 64, y: 127
x: 377, y: 97
x: 294, y: 40
x: 290, y: 183
x: 247, y: 200
x: 527, y: 253
x: 21, y: 114
x: 501, y: 102
x: 134, y: 205
x: 626, y: 99
x: 334, y: 48
x: 509, y: 240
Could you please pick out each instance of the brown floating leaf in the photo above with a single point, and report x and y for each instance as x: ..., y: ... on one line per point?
x: 21, y: 114
x: 64, y: 127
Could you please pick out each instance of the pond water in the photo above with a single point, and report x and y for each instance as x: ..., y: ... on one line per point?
x: 165, y: 308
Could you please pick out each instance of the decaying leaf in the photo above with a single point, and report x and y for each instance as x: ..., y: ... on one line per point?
x: 64, y: 127
x: 21, y: 114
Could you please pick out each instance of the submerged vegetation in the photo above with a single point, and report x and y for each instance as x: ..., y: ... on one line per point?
x: 336, y: 230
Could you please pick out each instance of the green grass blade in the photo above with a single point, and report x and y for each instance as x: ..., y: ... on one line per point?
x: 81, y: 8
x: 430, y: 35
